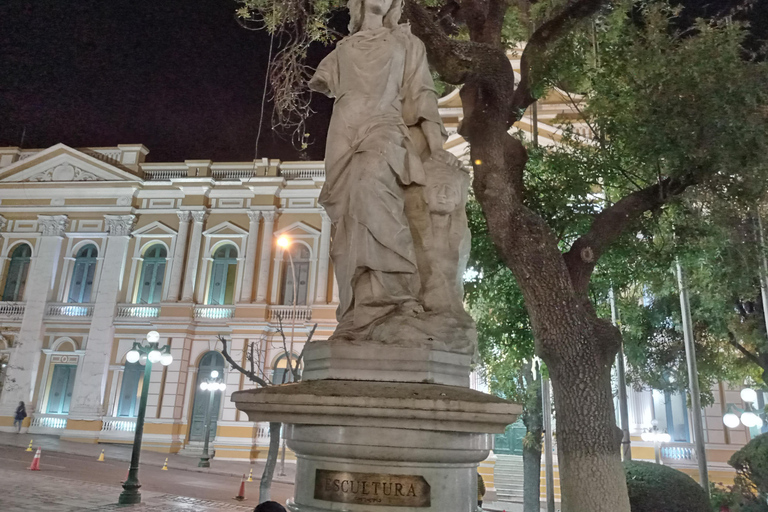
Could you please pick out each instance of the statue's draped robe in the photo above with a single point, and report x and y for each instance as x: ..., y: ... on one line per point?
x: 383, y: 90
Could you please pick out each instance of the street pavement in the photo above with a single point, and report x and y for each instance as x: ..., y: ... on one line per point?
x: 78, y: 482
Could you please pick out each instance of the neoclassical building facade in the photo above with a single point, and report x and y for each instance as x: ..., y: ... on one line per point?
x: 99, y: 247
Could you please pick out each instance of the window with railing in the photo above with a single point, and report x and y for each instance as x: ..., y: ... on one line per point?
x: 81, y: 286
x: 671, y: 413
x: 221, y: 288
x: 128, y: 405
x: 300, y: 270
x: 150, y: 286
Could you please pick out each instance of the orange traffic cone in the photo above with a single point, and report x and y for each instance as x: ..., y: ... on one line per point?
x: 36, y: 461
x: 241, y: 494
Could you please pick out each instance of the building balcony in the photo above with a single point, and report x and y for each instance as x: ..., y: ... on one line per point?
x: 11, y: 310
x: 138, y: 311
x: 678, y: 453
x: 118, y: 424
x: 69, y: 310
x: 286, y: 313
x: 208, y: 312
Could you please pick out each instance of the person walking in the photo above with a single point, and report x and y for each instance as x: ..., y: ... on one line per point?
x: 269, y: 506
x: 18, y: 418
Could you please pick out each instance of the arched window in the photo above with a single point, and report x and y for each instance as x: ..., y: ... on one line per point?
x: 221, y: 289
x: 301, y: 256
x: 152, y: 274
x: 211, y: 361
x: 18, y: 268
x: 281, y: 374
x: 81, y: 286
x: 130, y: 391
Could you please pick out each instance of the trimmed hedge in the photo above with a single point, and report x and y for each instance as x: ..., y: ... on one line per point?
x: 656, y: 488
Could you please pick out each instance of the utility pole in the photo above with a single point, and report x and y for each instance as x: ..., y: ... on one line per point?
x: 626, y: 442
x: 693, y: 379
x: 546, y: 410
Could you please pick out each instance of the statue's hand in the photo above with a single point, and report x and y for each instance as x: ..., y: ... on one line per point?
x: 445, y: 157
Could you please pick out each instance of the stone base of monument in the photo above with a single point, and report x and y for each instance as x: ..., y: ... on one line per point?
x: 349, y: 361
x: 404, y: 447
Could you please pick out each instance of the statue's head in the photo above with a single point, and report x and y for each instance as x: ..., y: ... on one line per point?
x: 446, y: 187
x: 390, y: 9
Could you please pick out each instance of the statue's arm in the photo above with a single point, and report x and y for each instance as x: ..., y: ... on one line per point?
x: 326, y: 78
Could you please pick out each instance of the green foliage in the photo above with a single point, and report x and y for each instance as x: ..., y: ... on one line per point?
x: 656, y: 488
x: 751, y: 464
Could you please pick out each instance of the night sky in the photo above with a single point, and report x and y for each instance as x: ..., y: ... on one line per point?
x: 180, y: 76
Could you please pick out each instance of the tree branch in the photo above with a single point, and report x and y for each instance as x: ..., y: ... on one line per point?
x: 610, y: 223
x: 251, y: 375
x: 540, y: 41
x: 741, y: 348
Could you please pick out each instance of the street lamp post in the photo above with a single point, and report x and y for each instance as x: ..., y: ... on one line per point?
x: 212, y: 385
x: 285, y: 243
x: 148, y: 354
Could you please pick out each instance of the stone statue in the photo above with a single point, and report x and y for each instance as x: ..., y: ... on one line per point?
x: 394, y: 195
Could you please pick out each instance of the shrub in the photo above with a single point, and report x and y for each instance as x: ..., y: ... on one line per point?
x: 751, y: 464
x: 656, y: 488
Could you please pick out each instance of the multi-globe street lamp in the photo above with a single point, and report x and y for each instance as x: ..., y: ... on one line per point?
x: 212, y: 385
x: 749, y: 417
x: 285, y: 243
x: 146, y: 355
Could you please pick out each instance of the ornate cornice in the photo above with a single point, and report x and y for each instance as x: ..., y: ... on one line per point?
x: 119, y: 225
x: 52, y: 225
x: 65, y: 172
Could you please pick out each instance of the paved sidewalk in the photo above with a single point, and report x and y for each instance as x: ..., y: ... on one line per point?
x: 38, y: 492
x: 123, y: 452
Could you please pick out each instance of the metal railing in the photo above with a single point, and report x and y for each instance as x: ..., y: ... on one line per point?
x: 137, y: 311
x: 164, y: 174
x: 66, y: 309
x: 214, y: 312
x: 286, y: 313
x: 118, y: 425
x: 11, y: 310
x: 49, y: 421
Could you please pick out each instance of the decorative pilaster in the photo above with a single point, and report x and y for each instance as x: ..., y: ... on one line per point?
x: 23, y: 366
x: 193, y: 256
x: 246, y: 294
x: 321, y: 297
x: 91, y: 382
x: 266, y: 251
x: 177, y: 266
x: 3, y: 223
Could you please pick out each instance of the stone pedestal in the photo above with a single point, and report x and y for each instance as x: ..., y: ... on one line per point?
x: 365, y: 446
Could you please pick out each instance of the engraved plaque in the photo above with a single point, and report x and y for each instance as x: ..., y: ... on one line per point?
x: 375, y: 489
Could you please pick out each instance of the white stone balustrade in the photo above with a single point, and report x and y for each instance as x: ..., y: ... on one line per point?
x: 214, y: 312
x: 11, y: 310
x: 137, y: 311
x: 303, y: 313
x: 68, y: 309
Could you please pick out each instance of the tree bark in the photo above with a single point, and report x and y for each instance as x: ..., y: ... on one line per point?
x: 265, y: 485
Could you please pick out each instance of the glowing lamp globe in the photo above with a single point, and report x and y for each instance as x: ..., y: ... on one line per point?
x: 748, y: 395
x: 204, y: 386
x: 153, y: 337
x: 166, y: 359
x: 731, y: 420
x: 214, y: 374
x: 132, y: 356
x: 284, y: 241
x: 222, y: 386
x: 665, y: 438
x: 154, y: 356
x: 750, y: 419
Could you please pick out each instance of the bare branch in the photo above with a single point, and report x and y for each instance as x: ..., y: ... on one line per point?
x: 251, y: 375
x: 306, y: 344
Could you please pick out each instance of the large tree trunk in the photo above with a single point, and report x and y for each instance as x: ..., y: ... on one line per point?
x: 534, y: 424
x: 269, y: 467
